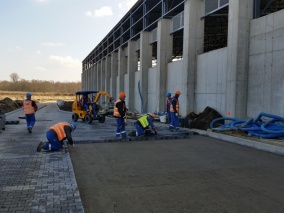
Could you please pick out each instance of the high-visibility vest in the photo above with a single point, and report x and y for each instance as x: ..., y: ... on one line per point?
x: 28, y: 108
x: 115, y: 109
x: 143, y: 121
x: 59, y: 130
x: 177, y: 106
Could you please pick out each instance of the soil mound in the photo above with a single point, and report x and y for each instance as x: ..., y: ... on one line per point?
x: 8, y: 105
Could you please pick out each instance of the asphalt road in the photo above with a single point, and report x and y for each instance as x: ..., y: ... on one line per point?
x: 199, y: 174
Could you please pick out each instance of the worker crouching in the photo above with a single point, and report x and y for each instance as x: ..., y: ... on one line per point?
x: 56, y: 135
x: 142, y: 125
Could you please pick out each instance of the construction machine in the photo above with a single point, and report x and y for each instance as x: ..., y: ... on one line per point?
x: 93, y: 111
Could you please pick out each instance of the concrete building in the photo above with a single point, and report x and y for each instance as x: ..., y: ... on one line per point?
x: 226, y: 54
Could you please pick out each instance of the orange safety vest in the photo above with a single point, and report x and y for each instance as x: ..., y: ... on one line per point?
x: 115, y: 109
x: 28, y: 108
x: 177, y: 106
x: 59, y: 130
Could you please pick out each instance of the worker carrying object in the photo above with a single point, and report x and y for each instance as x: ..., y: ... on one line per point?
x: 30, y: 107
x: 119, y: 112
x: 56, y: 135
x: 142, y: 125
x: 174, y: 111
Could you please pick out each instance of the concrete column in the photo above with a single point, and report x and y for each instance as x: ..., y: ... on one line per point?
x: 93, y: 77
x: 82, y: 80
x: 114, y: 73
x: 164, y: 56
x: 88, y: 78
x: 132, y: 61
x: 103, y: 61
x: 240, y: 14
x: 122, y: 68
x: 193, y: 38
x: 99, y: 80
x: 145, y: 64
x: 108, y: 73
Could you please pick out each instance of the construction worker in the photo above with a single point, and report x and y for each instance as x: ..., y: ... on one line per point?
x: 174, y: 111
x: 143, y: 123
x: 30, y: 107
x: 56, y: 135
x: 85, y: 102
x: 168, y: 104
x: 119, y: 112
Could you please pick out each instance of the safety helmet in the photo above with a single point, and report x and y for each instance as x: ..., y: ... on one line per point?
x: 122, y: 95
x: 177, y: 92
x: 168, y: 94
x: 28, y: 95
x: 73, y: 125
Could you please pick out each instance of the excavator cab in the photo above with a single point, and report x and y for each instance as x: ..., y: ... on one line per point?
x: 86, y: 107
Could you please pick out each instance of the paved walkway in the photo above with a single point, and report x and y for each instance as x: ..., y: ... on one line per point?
x: 45, y: 182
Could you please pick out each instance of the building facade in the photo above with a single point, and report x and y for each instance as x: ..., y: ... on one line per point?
x: 226, y: 54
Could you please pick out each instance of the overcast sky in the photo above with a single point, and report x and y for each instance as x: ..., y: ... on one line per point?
x: 48, y: 39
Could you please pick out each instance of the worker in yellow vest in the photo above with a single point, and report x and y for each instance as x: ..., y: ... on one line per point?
x: 174, y: 111
x: 143, y: 123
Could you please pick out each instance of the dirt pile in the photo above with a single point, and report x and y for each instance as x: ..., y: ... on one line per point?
x: 8, y: 105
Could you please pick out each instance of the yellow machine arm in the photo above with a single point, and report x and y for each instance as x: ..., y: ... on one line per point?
x: 102, y: 93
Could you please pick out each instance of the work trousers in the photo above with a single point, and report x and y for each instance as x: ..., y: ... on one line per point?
x: 120, y: 128
x: 139, y: 129
x: 53, y: 143
x: 30, y: 119
x: 174, y: 121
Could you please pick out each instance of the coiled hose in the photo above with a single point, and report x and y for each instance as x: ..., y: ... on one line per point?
x: 273, y: 128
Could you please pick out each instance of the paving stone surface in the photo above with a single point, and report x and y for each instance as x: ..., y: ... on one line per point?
x: 33, y: 181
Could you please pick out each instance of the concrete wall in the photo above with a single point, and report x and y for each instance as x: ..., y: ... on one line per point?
x: 211, y: 81
x: 152, y: 102
x: 266, y: 65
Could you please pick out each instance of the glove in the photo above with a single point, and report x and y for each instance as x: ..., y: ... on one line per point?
x: 176, y: 114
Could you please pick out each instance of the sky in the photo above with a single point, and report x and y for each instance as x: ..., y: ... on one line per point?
x: 48, y: 39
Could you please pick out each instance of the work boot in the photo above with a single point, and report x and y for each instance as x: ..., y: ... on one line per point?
x: 30, y: 129
x: 40, y: 146
x: 177, y: 129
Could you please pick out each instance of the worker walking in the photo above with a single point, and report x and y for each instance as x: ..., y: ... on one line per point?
x: 30, y: 107
x: 143, y: 123
x: 168, y: 104
x: 119, y: 112
x: 56, y: 135
x: 174, y: 111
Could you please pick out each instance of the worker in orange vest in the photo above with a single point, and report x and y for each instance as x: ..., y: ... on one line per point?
x: 174, y: 111
x: 119, y: 112
x: 30, y: 107
x: 56, y: 135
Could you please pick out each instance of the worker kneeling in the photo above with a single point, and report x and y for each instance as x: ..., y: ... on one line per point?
x: 56, y: 135
x: 143, y: 123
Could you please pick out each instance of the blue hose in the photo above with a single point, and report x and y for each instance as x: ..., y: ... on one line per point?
x: 273, y: 128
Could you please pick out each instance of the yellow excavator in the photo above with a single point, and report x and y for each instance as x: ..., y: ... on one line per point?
x: 85, y: 106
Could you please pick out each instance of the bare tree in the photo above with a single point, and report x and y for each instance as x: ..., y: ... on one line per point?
x: 14, y: 77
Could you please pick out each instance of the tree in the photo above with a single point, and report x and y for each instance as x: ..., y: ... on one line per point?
x: 14, y: 77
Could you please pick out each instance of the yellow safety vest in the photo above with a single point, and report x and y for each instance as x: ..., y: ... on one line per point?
x: 143, y: 121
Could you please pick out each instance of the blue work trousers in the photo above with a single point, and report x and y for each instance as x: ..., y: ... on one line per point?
x: 53, y: 143
x: 174, y: 121
x: 139, y: 129
x: 120, y: 128
x: 30, y: 119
